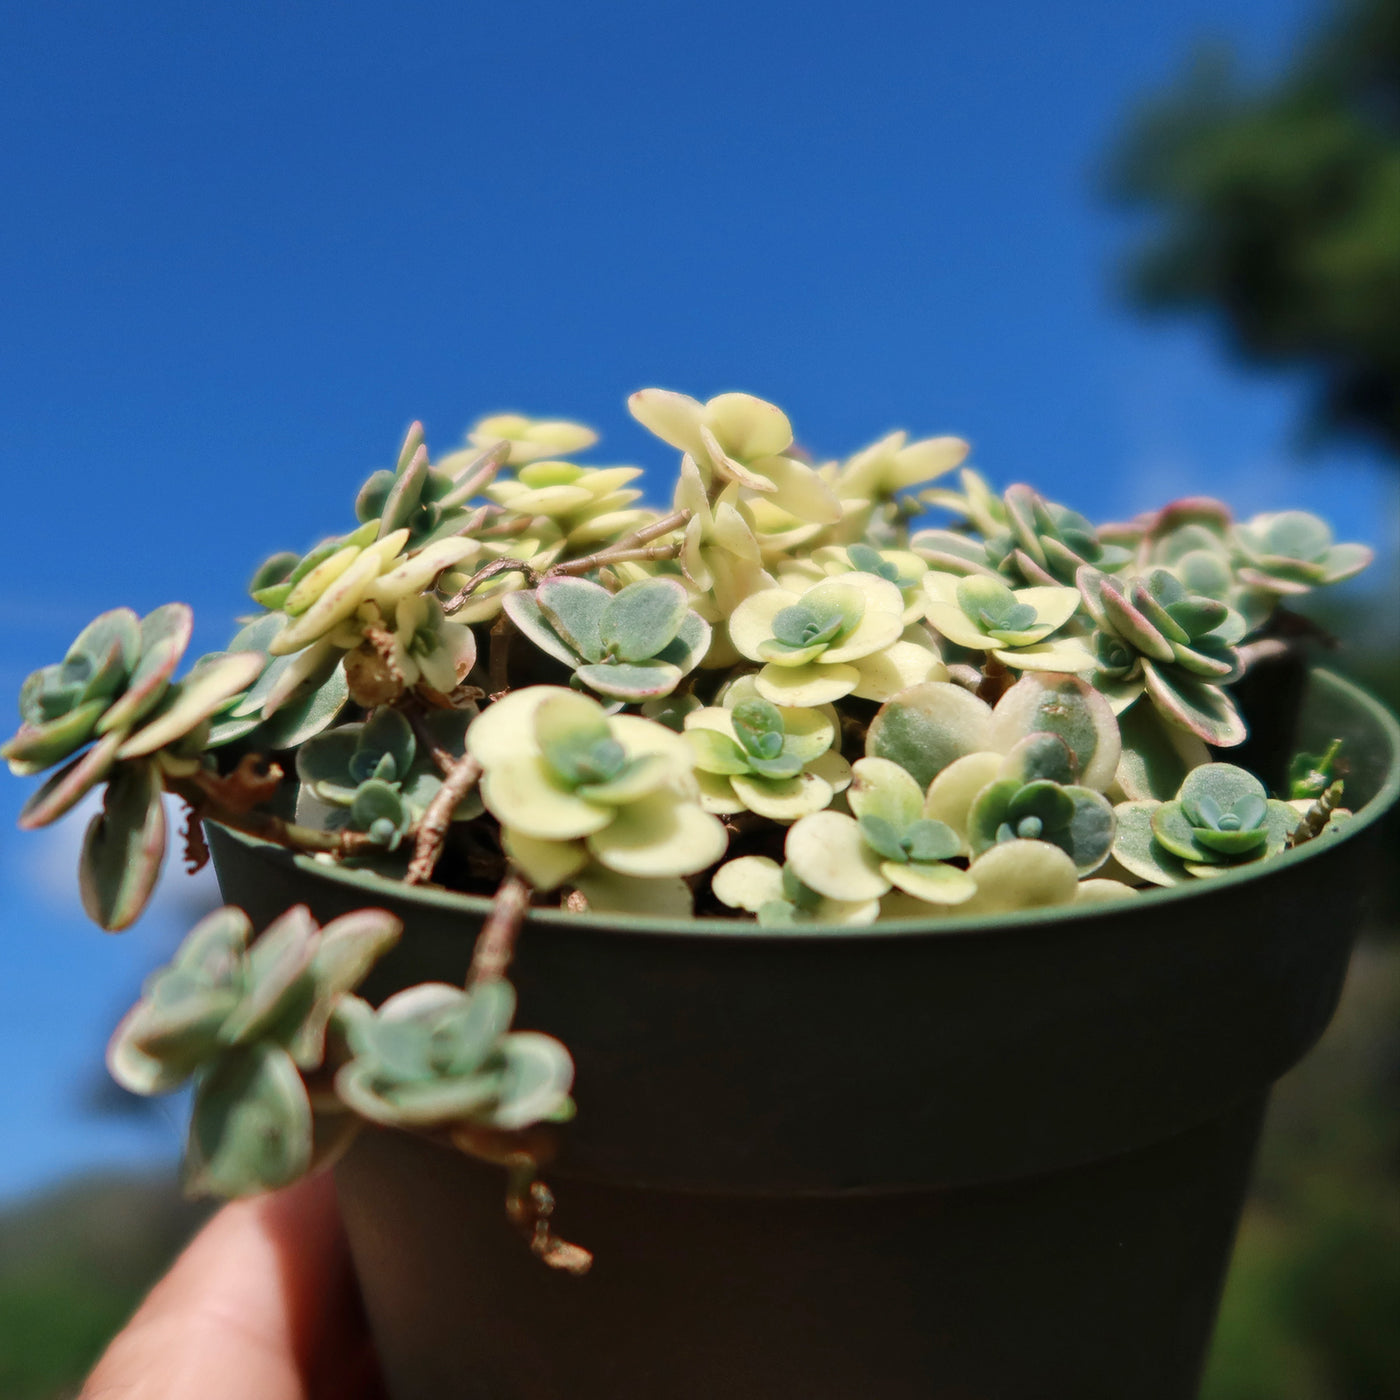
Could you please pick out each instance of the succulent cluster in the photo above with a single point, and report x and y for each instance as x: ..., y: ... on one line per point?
x: 778, y: 701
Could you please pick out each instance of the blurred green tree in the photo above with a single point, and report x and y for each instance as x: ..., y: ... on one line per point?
x: 1278, y: 208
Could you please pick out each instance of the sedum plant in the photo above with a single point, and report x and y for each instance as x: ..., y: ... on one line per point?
x: 809, y: 697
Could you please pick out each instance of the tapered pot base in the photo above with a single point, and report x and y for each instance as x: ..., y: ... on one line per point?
x: 1093, y: 1283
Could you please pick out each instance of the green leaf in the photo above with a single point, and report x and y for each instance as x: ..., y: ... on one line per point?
x: 1065, y: 706
x: 927, y: 726
x: 574, y: 607
x: 576, y: 740
x: 110, y: 645
x: 385, y: 734
x: 1223, y: 786
x: 882, y: 838
x: 66, y: 788
x: 1041, y: 755
x: 988, y: 813
x: 643, y: 618
x: 759, y: 726
x: 1138, y: 851
x: 524, y: 611
x: 403, y: 497
x: 36, y: 747
x: 931, y: 840
x: 716, y: 752
x: 1047, y: 801
x: 1156, y: 755
x: 1090, y: 832
x: 280, y: 989
x: 535, y: 1084
x: 631, y: 680
x: 123, y: 847
x: 251, y: 1127
x: 1195, y: 705
x: 304, y: 716
x: 165, y: 633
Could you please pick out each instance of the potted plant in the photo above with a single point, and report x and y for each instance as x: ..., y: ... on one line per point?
x: 889, y: 900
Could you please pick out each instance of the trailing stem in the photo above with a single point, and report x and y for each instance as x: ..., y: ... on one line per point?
x: 432, y: 830
x: 495, y: 944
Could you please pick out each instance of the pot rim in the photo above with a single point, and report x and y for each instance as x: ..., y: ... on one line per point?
x: 980, y: 926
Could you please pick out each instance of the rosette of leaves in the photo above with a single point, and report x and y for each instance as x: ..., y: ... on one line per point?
x: 114, y: 689
x: 1154, y: 636
x: 778, y: 899
x: 371, y: 777
x: 435, y: 1056
x: 635, y: 644
x: 928, y: 729
x: 887, y: 843
x: 530, y: 439
x: 1013, y: 625
x: 113, y: 710
x: 1312, y: 774
x: 585, y: 506
x: 900, y: 567
x: 431, y: 503
x: 753, y: 755
x: 893, y: 464
x: 720, y: 554
x: 1035, y: 798
x: 1223, y: 817
x: 1045, y: 544
x: 570, y: 783
x: 245, y: 1021
x: 1291, y: 552
x: 835, y: 638
x: 742, y: 439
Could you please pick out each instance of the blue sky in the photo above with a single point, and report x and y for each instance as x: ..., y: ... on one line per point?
x: 243, y: 245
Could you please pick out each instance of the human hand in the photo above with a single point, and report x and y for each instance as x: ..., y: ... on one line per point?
x: 262, y: 1305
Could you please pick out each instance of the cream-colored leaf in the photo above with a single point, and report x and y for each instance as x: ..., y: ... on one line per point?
x: 749, y: 883
x: 521, y: 792
x: 954, y: 624
x: 1065, y: 654
x: 1103, y: 891
x: 199, y: 696
x: 608, y: 893
x: 751, y: 623
x: 803, y: 686
x: 783, y: 799
x: 674, y: 418
x: 340, y: 598
x: 506, y: 727
x: 717, y: 794
x: 881, y: 788
x: 832, y: 769
x: 747, y: 427
x: 1053, y: 606
x: 545, y: 864
x: 1022, y: 875
x: 828, y: 854
x: 663, y: 834
x: 799, y: 491
x: 898, y: 665
x: 950, y: 795
x: 934, y: 884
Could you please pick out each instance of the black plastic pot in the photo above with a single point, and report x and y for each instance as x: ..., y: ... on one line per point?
x: 983, y: 1159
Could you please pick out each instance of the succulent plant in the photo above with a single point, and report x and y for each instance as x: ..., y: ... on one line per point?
x: 1222, y: 817
x: 739, y: 438
x: 585, y: 506
x: 568, y: 783
x: 775, y: 896
x: 1076, y: 819
x: 835, y: 638
x: 372, y: 776
x: 1154, y: 636
x: 1290, y: 552
x: 244, y: 1021
x: 1013, y: 625
x: 887, y: 842
x: 530, y: 439
x: 776, y: 733
x: 434, y: 1056
x: 635, y: 644
x: 752, y: 755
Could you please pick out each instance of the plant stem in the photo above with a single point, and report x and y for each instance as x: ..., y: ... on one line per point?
x: 498, y: 663
x: 485, y: 574
x: 495, y: 944
x: 268, y: 827
x: 629, y: 547
x: 432, y: 830
x: 996, y: 680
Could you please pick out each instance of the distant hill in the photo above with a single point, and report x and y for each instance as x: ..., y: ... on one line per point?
x: 74, y: 1263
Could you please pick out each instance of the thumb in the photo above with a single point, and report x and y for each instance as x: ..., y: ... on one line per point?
x: 256, y: 1308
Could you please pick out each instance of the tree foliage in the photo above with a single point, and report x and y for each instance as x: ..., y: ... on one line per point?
x: 1278, y: 208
